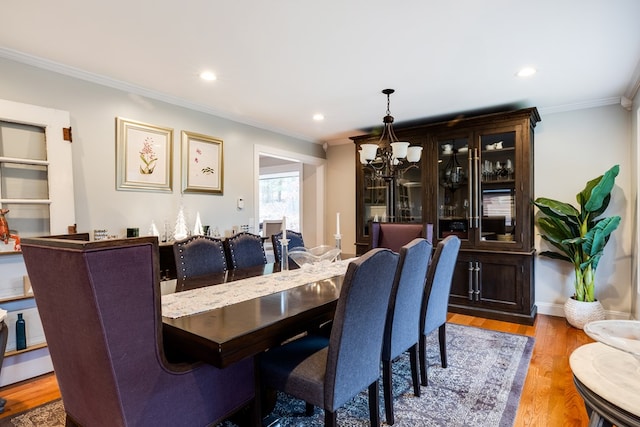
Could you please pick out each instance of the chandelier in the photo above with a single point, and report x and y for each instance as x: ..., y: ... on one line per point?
x: 389, y: 156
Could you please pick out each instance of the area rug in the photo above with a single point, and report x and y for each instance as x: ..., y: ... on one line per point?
x: 480, y: 387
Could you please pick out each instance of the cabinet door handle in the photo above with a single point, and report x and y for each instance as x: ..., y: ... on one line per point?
x: 476, y: 274
x: 476, y: 188
x: 471, y: 207
x: 471, y: 269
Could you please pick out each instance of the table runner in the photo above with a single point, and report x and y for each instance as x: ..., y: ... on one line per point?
x: 194, y: 301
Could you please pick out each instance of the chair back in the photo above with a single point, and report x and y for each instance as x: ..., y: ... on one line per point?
x: 355, y: 345
x: 393, y: 235
x: 403, y: 316
x: 198, y: 256
x: 295, y: 241
x: 271, y: 226
x: 436, y: 297
x: 100, y: 307
x: 245, y: 250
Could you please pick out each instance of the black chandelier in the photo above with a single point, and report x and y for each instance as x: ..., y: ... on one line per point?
x: 389, y: 155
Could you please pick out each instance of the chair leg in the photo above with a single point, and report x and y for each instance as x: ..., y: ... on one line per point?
x: 442, y: 338
x: 387, y: 389
x: 308, y: 409
x: 330, y: 419
x: 413, y: 358
x: 423, y: 359
x: 374, y: 414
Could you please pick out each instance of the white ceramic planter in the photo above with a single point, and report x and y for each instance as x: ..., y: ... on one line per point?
x: 579, y: 313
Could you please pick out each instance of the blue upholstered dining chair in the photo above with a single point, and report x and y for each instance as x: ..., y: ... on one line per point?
x: 100, y: 307
x: 244, y: 250
x: 328, y: 372
x: 436, y: 300
x: 198, y: 256
x: 295, y: 241
x: 402, y: 329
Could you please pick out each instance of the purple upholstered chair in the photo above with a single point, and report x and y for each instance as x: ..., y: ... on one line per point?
x: 402, y: 330
x: 393, y: 235
x: 100, y: 308
x: 244, y: 250
x: 436, y: 299
x: 329, y: 372
x: 198, y: 256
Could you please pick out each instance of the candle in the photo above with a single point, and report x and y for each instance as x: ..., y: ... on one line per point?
x: 338, y: 223
x: 284, y: 227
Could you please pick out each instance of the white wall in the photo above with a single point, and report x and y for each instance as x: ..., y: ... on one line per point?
x: 570, y: 149
x: 635, y: 157
x: 93, y: 110
x: 341, y: 195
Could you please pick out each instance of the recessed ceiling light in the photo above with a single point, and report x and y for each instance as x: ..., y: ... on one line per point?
x: 526, y: 72
x: 318, y: 117
x: 207, y: 75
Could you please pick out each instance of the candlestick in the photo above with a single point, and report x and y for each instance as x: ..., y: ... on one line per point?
x: 338, y: 238
x: 338, y: 223
x: 284, y: 227
x: 284, y: 253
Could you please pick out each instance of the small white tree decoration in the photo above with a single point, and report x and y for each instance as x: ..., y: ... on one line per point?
x: 197, y: 228
x: 181, y: 226
x: 153, y: 230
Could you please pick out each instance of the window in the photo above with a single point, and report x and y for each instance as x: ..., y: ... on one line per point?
x: 280, y: 196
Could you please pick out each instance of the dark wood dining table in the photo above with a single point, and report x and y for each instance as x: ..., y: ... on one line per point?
x: 228, y: 334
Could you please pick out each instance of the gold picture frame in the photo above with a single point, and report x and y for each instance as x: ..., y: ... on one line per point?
x: 202, y: 164
x: 143, y: 156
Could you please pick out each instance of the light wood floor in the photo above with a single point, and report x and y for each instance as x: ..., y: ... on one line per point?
x: 548, y: 399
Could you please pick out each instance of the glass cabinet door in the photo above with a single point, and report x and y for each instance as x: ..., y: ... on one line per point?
x: 374, y: 199
x: 408, y: 195
x: 454, y: 186
x: 497, y: 187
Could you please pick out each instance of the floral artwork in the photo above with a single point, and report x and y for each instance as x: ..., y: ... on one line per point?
x: 148, y: 157
x: 143, y: 156
x: 202, y: 163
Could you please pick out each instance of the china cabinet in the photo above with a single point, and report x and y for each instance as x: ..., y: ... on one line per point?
x: 475, y: 181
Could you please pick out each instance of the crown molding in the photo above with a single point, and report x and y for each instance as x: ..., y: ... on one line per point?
x: 77, y: 73
x: 579, y: 105
x: 634, y: 84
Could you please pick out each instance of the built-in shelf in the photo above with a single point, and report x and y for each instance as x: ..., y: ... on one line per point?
x: 16, y: 298
x: 26, y: 350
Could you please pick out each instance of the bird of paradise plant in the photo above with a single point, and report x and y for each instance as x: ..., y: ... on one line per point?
x: 580, y: 235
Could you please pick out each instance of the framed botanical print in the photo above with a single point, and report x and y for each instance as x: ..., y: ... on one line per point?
x: 202, y: 164
x: 143, y: 156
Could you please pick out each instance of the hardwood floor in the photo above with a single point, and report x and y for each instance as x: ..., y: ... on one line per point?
x: 549, y: 397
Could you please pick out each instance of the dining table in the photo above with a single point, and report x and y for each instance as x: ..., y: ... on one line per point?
x: 225, y: 317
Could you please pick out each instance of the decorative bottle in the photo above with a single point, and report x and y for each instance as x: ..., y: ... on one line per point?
x: 21, y: 335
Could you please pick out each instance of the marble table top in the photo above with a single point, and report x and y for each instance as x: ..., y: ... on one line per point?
x: 211, y: 297
x: 610, y: 373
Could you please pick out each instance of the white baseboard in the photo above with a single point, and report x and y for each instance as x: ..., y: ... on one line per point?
x: 558, y: 311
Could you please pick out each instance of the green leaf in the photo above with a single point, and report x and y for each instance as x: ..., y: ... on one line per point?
x: 601, y: 189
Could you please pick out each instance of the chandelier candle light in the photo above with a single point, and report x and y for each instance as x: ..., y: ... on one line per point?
x: 389, y: 156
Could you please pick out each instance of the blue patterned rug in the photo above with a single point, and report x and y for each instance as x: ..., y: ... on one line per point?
x: 480, y: 387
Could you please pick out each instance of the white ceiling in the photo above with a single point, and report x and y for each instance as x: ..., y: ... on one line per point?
x: 279, y: 62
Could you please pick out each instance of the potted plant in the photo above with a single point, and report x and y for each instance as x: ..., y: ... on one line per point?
x: 579, y: 236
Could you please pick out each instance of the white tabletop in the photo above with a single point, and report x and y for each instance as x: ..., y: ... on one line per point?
x: 610, y: 373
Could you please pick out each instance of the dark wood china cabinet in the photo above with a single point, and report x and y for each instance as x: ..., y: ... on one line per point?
x: 474, y: 180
